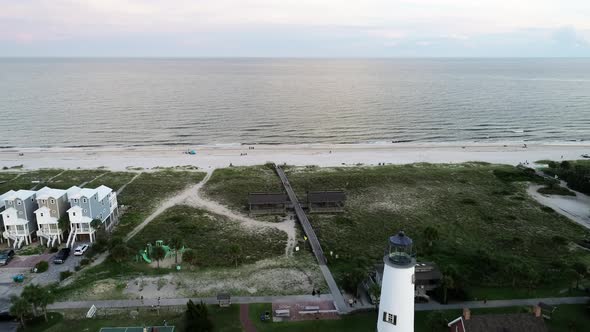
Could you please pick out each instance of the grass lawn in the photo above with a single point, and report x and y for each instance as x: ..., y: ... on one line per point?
x: 490, y: 232
x: 144, y: 194
x: 224, y: 320
x: 211, y: 236
x: 113, y: 180
x: 16, y: 181
x: 230, y: 186
x: 75, y: 178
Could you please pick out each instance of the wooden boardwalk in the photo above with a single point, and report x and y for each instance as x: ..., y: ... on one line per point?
x: 339, y: 301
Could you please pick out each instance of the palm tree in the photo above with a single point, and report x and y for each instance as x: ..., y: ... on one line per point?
x: 95, y: 223
x: 235, y: 252
x: 430, y: 235
x: 46, y: 297
x: 176, y: 243
x: 447, y: 283
x: 32, y: 295
x: 158, y: 254
x: 19, y: 308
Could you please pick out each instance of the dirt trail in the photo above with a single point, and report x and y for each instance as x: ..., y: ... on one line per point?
x: 195, y: 199
x: 192, y: 197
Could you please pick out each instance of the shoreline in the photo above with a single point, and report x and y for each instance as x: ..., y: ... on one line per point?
x: 217, y: 156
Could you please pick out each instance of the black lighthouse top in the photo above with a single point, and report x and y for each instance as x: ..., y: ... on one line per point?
x: 401, y: 250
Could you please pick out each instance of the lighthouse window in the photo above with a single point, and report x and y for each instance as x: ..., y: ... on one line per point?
x: 390, y: 318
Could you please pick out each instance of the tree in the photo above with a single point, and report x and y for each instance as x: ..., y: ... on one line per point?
x: 572, y: 276
x: 32, y: 295
x: 197, y: 318
x: 19, y: 308
x: 119, y: 252
x: 176, y: 243
x: 96, y: 223
x: 430, y: 234
x: 436, y: 321
x: 447, y: 283
x: 582, y: 271
x: 63, y: 223
x: 235, y: 252
x: 375, y: 293
x: 46, y: 297
x: 158, y: 254
x: 565, y: 165
x: 189, y: 256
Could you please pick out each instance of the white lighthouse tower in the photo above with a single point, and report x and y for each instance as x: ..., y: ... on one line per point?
x: 396, y: 305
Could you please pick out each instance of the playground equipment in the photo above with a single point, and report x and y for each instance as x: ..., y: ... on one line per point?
x: 146, y: 254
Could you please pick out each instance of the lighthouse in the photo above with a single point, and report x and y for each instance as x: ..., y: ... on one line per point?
x: 396, y: 305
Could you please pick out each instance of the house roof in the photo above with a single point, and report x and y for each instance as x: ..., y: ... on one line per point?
x: 103, y: 192
x: 72, y: 191
x: 75, y: 208
x: 5, y: 196
x: 43, y: 209
x: 21, y: 194
x: 505, y: 323
x: 326, y: 196
x: 46, y: 192
x: 267, y: 198
x: 85, y: 192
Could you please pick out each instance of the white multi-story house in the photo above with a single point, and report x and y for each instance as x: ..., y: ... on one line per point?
x: 53, y: 205
x: 89, y: 204
x: 18, y: 217
x: 2, y: 207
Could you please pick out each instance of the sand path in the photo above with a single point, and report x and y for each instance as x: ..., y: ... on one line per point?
x: 197, y: 200
x: 192, y: 197
x: 575, y: 208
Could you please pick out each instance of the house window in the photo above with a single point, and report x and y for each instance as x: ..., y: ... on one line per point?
x: 52, y: 201
x: 52, y: 211
x: 19, y: 203
x: 84, y: 200
x: 41, y: 214
x: 20, y: 212
x: 9, y: 202
x: 85, y: 210
x: 390, y: 318
x: 75, y: 200
x: 74, y: 214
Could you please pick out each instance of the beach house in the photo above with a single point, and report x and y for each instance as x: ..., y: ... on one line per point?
x: 87, y: 205
x: 18, y: 217
x: 2, y: 208
x: 53, y: 204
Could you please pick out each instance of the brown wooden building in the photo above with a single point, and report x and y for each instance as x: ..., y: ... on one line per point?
x: 267, y: 203
x: 326, y: 201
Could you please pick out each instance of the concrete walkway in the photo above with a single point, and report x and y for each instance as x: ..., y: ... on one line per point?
x: 311, y: 298
x: 183, y: 301
x: 501, y: 303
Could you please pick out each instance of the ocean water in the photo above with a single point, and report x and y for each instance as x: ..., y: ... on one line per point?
x: 146, y: 102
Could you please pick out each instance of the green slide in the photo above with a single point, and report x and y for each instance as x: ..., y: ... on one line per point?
x: 145, y: 257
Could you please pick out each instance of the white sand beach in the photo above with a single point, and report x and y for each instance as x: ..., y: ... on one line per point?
x: 210, y: 157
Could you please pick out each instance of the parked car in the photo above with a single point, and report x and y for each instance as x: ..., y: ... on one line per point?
x: 61, y: 256
x: 6, y: 256
x: 80, y: 250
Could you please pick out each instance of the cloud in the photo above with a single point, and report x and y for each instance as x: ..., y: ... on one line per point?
x: 198, y: 27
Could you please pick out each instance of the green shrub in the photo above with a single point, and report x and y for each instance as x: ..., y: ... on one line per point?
x: 189, y: 256
x: 53, y: 249
x: 64, y: 275
x: 42, y: 266
x: 78, y: 268
x: 84, y: 261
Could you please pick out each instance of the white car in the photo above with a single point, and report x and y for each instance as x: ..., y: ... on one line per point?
x: 80, y: 250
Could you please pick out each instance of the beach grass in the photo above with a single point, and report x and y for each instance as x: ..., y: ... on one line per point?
x: 74, y: 178
x: 230, y: 186
x: 488, y: 226
x: 26, y: 180
x: 149, y: 190
x: 211, y: 237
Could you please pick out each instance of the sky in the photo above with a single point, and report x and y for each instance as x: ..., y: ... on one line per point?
x: 295, y: 28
